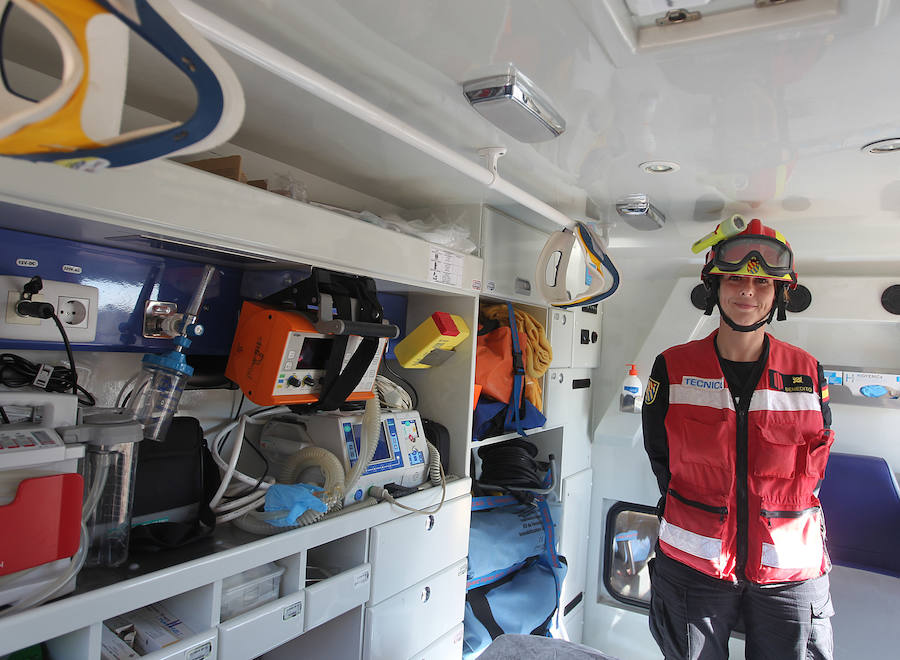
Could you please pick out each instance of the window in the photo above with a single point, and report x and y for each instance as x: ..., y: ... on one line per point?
x: 631, y: 531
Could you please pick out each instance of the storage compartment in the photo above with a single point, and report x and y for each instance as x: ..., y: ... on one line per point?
x: 177, y: 627
x: 335, y: 595
x: 338, y: 639
x: 250, y: 589
x: 337, y: 578
x: 409, y: 549
x: 571, y: 515
x: 417, y: 616
x: 262, y: 629
x: 568, y: 394
x: 510, y: 250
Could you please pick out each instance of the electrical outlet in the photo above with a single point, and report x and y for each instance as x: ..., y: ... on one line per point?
x: 13, y: 317
x: 74, y: 312
x: 76, y: 306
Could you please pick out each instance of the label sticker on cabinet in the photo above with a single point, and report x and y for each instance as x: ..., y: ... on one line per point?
x: 200, y: 652
x: 361, y: 578
x: 27, y: 263
x: 75, y: 270
x: 291, y: 611
x: 445, y: 267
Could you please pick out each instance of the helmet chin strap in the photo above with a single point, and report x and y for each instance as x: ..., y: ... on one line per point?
x: 745, y: 328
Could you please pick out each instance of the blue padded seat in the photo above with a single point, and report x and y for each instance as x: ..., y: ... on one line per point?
x: 861, y: 501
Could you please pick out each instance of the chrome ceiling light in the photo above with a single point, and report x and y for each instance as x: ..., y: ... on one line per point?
x: 639, y: 213
x: 515, y: 105
x: 886, y: 146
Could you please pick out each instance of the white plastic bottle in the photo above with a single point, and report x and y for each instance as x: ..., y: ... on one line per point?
x: 632, y: 391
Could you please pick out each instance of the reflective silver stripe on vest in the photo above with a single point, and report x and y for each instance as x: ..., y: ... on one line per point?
x: 703, y: 547
x: 792, y: 555
x: 788, y: 401
x: 696, y: 396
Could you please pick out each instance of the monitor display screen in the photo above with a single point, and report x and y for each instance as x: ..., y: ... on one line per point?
x: 314, y: 353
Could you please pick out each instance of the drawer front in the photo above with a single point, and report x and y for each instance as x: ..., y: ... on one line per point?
x: 417, y: 616
x: 198, y: 647
x: 409, y: 549
x: 336, y: 595
x: 448, y: 647
x: 262, y: 629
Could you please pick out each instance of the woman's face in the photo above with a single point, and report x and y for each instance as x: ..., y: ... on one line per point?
x: 746, y: 300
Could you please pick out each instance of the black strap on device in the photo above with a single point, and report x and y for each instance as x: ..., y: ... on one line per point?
x: 343, y: 305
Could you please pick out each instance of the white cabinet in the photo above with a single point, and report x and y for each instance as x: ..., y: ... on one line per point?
x: 568, y: 394
x: 411, y: 548
x: 510, y: 250
x: 572, y: 517
x: 417, y: 616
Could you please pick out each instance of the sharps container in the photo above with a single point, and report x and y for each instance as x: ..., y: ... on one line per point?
x: 158, y: 390
x: 111, y: 436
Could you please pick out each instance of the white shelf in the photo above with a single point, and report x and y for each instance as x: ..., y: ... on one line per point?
x: 176, y: 201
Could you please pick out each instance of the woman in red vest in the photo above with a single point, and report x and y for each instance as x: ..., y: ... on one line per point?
x: 736, y: 427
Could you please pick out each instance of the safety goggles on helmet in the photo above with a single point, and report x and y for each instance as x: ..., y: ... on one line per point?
x: 754, y: 256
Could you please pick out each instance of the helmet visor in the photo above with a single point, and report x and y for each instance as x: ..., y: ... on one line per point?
x: 773, y: 256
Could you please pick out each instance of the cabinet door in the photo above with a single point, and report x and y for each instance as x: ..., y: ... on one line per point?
x: 262, y: 629
x: 417, y: 616
x: 409, y: 549
x: 511, y: 251
x: 572, y: 533
x: 568, y: 394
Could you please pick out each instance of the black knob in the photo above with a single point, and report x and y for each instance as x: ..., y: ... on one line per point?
x: 293, y: 381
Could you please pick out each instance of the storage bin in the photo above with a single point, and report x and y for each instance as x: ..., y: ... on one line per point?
x: 245, y: 591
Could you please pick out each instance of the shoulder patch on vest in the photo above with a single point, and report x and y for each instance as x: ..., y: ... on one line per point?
x: 650, y: 392
x: 790, y: 382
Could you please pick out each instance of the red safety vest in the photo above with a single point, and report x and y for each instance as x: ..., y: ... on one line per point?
x: 765, y: 485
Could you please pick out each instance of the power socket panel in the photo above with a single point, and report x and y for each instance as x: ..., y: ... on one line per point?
x: 76, y: 306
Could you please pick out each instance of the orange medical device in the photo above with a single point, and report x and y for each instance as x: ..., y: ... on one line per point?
x: 278, y: 357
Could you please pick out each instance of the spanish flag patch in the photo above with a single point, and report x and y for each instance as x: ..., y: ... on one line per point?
x: 650, y: 393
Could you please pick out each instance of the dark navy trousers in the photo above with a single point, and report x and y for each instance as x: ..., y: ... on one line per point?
x: 692, y: 615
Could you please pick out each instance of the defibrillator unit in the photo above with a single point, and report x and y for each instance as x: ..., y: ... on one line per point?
x: 317, y: 342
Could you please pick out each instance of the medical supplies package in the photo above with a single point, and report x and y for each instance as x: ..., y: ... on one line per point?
x: 523, y: 595
x: 503, y: 537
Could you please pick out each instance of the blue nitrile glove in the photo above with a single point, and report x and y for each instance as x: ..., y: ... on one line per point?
x: 294, y: 500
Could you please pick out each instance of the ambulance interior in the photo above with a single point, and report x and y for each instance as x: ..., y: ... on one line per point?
x: 783, y: 111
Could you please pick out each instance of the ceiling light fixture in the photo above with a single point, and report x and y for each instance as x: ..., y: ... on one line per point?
x: 515, y: 105
x: 886, y: 146
x: 659, y: 167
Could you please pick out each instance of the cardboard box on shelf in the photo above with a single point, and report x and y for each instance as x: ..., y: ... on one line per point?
x: 227, y: 166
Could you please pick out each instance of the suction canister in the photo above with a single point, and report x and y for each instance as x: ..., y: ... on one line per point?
x: 111, y: 436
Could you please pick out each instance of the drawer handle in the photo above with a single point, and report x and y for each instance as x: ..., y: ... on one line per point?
x: 429, y: 523
x: 426, y: 594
